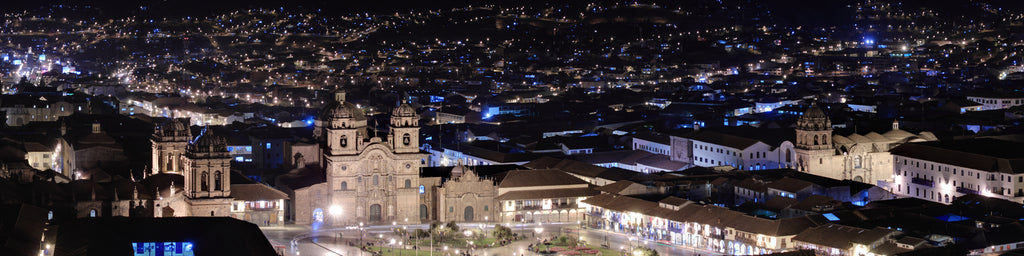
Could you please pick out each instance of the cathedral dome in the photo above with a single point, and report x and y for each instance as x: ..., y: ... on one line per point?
x: 207, y: 142
x: 814, y: 112
x: 173, y: 128
x: 341, y: 109
x: 336, y: 110
x: 403, y: 111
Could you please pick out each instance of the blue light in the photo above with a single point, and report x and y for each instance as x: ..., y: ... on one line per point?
x: 830, y: 217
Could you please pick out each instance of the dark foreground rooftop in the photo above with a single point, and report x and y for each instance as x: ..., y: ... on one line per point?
x: 207, y: 235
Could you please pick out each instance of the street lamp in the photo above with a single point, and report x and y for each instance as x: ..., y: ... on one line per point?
x: 335, y: 211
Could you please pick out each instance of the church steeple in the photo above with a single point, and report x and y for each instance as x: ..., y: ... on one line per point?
x: 814, y: 129
x: 404, y: 130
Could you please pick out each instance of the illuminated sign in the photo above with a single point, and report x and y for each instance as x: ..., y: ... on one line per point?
x: 163, y: 248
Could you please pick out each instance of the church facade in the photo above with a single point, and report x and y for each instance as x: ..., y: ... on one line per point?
x: 862, y: 158
x: 369, y: 178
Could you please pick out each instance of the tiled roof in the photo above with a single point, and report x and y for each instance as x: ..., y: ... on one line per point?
x: 547, y: 193
x: 981, y: 154
x: 531, y: 178
x: 256, y: 192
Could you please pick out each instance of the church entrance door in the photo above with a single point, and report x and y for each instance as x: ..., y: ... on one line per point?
x: 375, y: 213
x: 468, y: 215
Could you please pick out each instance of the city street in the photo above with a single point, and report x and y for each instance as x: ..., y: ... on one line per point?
x: 301, y: 240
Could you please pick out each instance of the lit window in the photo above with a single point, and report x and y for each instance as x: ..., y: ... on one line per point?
x: 268, y: 145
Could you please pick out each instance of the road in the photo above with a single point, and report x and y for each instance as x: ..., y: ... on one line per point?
x: 302, y: 240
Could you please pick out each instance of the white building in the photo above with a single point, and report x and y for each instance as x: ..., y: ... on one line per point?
x: 653, y: 142
x: 997, y: 101
x: 711, y: 148
x: 942, y: 171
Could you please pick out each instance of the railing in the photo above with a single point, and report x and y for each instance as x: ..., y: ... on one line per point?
x: 553, y: 206
x: 924, y: 182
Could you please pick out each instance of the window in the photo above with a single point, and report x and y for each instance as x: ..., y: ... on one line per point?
x: 344, y: 141
x: 406, y: 139
x: 408, y: 183
x: 216, y: 181
x: 451, y: 209
x: 92, y: 213
x: 248, y: 148
x: 344, y: 185
x: 375, y: 180
x: 49, y: 215
x: 204, y: 181
x: 231, y: 148
x: 485, y: 208
x: 268, y: 145
x: 423, y: 189
x: 856, y: 162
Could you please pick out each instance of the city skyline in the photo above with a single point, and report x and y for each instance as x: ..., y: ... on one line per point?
x: 718, y: 127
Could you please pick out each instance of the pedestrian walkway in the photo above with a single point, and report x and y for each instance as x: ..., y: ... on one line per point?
x: 515, y: 248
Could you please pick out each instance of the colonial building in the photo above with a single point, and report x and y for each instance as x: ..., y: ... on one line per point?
x: 193, y: 177
x: 942, y: 171
x: 862, y: 158
x: 370, y: 178
x: 544, y: 195
x: 467, y: 197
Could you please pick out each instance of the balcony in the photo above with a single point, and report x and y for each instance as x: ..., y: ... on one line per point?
x: 922, y: 182
x: 553, y: 207
x: 964, y: 190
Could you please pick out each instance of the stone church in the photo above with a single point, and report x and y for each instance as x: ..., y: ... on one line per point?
x: 370, y: 178
x: 863, y: 158
x: 205, y: 166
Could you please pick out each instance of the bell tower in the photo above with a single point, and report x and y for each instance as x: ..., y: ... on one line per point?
x: 341, y: 127
x: 813, y: 140
x: 169, y: 141
x: 208, y: 175
x: 405, y: 130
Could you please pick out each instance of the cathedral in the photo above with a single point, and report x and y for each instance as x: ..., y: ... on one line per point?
x: 204, y: 164
x: 863, y: 158
x: 369, y: 178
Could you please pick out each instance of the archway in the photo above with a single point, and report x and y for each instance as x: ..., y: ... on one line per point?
x: 375, y: 213
x: 858, y: 179
x: 168, y: 212
x: 468, y: 215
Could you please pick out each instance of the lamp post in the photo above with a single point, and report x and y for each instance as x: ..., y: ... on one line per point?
x: 579, y: 237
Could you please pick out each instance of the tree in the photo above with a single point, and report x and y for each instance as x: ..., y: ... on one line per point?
x: 501, y: 232
x: 420, y: 233
x: 644, y: 251
x: 452, y: 226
